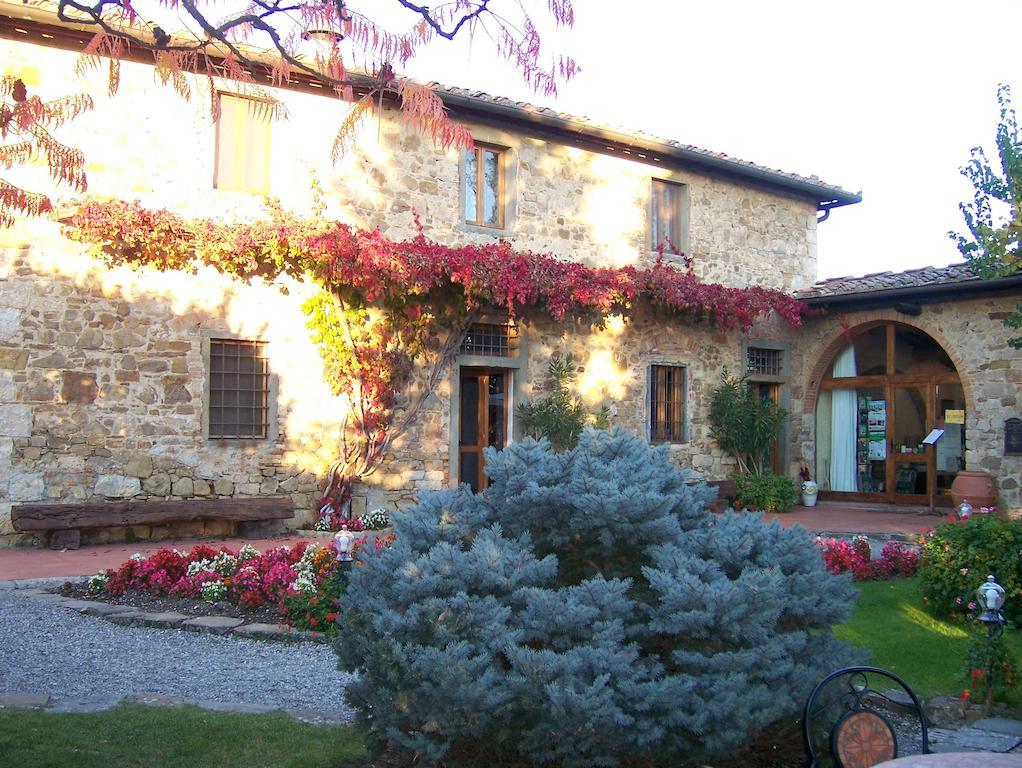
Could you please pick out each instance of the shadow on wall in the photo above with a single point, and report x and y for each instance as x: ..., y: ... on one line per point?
x: 103, y: 381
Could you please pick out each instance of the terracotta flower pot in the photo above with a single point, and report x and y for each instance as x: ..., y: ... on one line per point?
x: 977, y: 487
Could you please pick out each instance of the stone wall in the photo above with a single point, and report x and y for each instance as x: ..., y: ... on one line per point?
x: 971, y: 331
x: 102, y: 373
x: 148, y: 143
x: 102, y: 382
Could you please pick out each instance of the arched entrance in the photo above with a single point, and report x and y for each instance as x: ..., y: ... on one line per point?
x: 881, y: 395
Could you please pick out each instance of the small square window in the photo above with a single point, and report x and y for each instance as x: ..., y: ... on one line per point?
x: 242, y: 160
x: 667, y: 404
x: 668, y: 211
x: 489, y: 339
x: 239, y: 389
x: 766, y: 362
x: 484, y: 183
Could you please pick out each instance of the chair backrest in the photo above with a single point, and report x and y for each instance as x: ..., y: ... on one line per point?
x: 851, y: 719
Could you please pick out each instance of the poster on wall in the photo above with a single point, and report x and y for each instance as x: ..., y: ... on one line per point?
x: 877, y: 416
x: 877, y: 447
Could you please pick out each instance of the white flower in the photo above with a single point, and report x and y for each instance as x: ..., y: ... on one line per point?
x: 963, y: 571
x: 137, y: 557
x: 213, y: 591
x: 247, y: 552
x: 98, y: 583
x: 224, y: 563
x: 198, y: 567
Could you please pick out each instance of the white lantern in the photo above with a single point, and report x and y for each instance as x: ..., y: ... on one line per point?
x: 344, y: 543
x: 964, y: 509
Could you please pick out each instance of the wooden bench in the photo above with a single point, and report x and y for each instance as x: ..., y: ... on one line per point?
x: 257, y: 517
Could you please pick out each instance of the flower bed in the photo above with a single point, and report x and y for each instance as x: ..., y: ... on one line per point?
x: 896, y: 558
x: 304, y: 582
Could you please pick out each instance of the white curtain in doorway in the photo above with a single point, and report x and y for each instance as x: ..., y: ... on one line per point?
x: 843, y: 423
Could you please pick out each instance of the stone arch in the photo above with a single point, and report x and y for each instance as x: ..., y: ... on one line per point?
x: 862, y: 322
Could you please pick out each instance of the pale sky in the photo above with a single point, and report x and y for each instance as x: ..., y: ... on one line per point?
x: 883, y: 97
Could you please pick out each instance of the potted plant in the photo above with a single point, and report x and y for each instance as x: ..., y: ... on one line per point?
x: 809, y: 491
x: 809, y: 488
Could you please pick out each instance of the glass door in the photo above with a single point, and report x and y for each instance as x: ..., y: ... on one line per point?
x: 483, y: 421
x: 909, y: 460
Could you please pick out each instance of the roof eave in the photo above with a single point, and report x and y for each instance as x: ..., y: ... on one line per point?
x: 971, y: 287
x: 826, y: 196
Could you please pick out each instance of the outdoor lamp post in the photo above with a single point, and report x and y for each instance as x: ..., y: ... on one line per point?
x: 990, y: 597
x: 344, y: 542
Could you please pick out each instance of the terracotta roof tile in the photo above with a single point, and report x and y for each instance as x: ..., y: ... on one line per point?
x: 583, y: 124
x: 885, y: 281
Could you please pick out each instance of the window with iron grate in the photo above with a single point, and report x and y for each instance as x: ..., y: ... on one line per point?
x: 766, y: 362
x: 492, y: 339
x: 667, y: 404
x: 239, y: 389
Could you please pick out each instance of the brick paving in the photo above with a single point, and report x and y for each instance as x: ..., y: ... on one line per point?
x: 30, y: 563
x: 830, y: 517
x: 846, y: 517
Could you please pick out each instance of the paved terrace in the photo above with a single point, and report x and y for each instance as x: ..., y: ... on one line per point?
x: 828, y: 517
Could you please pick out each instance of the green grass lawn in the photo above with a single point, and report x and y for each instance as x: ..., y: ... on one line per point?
x: 133, y: 735
x: 929, y: 653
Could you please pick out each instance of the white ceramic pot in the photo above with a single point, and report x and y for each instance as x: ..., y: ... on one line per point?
x: 809, y: 492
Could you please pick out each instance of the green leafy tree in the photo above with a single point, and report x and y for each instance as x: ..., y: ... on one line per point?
x: 993, y: 244
x: 561, y: 416
x: 744, y: 423
x: 584, y: 610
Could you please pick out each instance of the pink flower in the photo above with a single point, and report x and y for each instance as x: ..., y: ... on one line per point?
x: 958, y: 601
x: 971, y: 606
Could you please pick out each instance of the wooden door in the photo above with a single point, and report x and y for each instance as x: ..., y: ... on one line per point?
x: 910, y: 463
x: 483, y: 421
x: 772, y: 392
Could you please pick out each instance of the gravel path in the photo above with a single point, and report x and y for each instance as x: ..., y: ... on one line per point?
x: 45, y: 648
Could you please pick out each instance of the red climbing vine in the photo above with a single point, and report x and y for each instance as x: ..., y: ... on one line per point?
x: 388, y: 305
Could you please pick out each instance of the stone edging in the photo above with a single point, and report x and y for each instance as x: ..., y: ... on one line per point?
x: 44, y: 701
x: 125, y: 615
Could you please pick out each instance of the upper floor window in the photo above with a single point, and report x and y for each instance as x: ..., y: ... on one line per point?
x: 239, y: 389
x: 668, y: 216
x: 667, y: 403
x: 242, y: 160
x: 485, y: 186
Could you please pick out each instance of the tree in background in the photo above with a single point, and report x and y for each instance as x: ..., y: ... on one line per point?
x: 744, y: 423
x: 560, y: 417
x: 584, y: 610
x: 994, y: 217
x: 26, y: 123
x: 349, y: 50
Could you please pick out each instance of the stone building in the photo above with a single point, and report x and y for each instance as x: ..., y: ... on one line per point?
x: 112, y: 382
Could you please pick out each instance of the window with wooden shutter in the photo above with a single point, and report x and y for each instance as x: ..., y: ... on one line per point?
x: 485, y: 195
x: 667, y: 404
x: 668, y: 216
x: 242, y: 161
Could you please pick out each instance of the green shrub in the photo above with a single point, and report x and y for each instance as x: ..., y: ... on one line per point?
x: 584, y: 610
x: 958, y: 556
x: 744, y: 423
x: 560, y: 417
x: 766, y: 493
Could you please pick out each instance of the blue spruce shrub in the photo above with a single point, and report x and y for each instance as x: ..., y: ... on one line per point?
x: 586, y: 609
